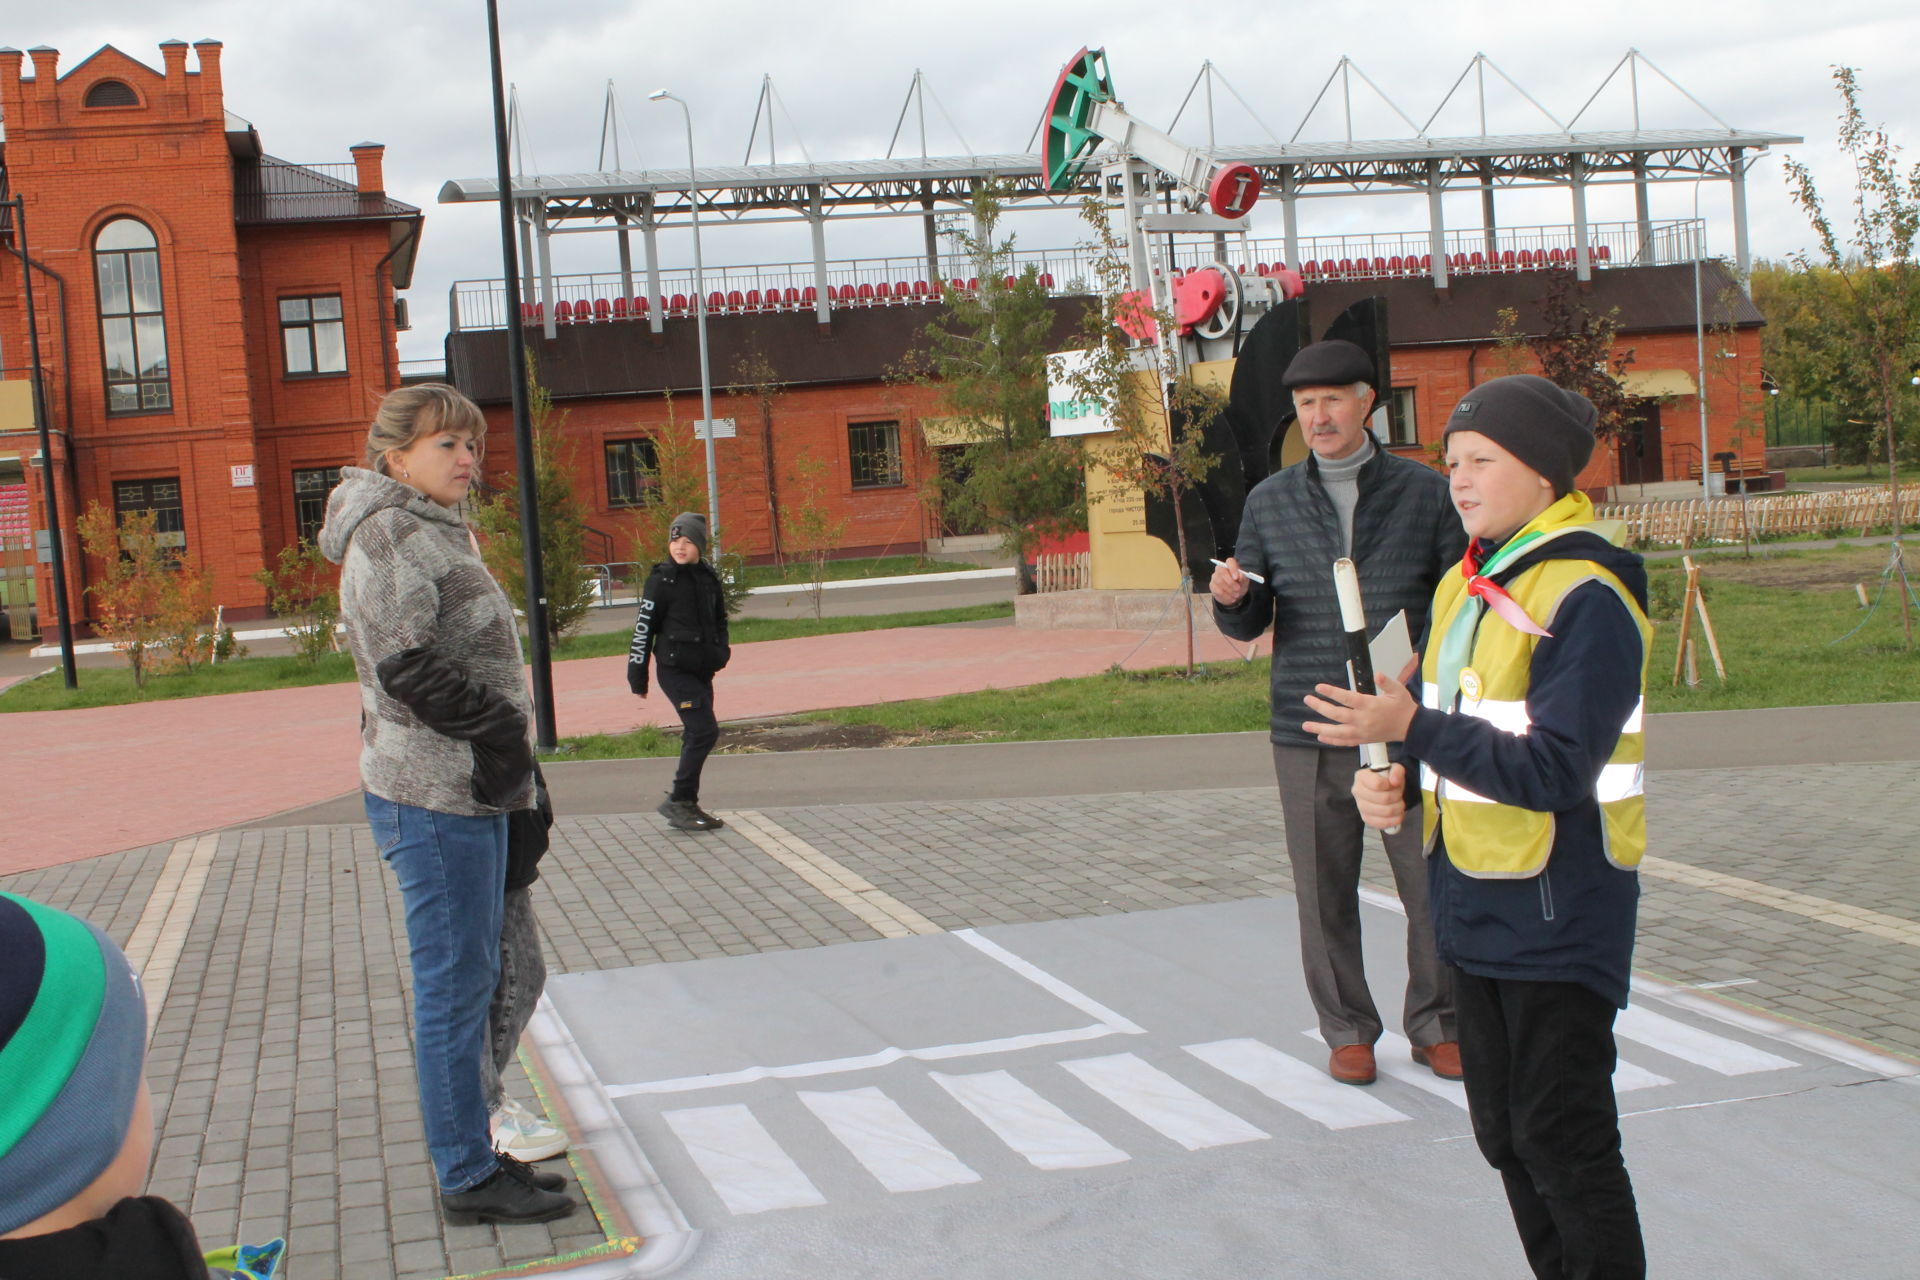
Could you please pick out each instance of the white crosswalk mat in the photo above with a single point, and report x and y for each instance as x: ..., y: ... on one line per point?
x: 1295, y: 1085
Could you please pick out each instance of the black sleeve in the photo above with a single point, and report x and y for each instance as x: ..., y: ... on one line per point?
x: 1250, y: 618
x: 447, y: 701
x: 646, y: 627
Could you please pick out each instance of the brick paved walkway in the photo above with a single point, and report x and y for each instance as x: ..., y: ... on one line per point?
x: 281, y: 1069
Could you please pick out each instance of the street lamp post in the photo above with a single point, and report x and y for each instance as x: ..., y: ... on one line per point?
x: 1700, y: 342
x: 539, y: 649
x: 700, y: 321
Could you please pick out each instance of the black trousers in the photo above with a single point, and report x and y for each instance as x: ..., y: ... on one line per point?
x: 692, y: 696
x: 1539, y: 1060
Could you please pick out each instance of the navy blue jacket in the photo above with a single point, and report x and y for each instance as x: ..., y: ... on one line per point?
x: 1574, y: 922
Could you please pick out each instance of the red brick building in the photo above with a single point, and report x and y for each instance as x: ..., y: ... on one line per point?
x: 619, y: 386
x: 215, y: 324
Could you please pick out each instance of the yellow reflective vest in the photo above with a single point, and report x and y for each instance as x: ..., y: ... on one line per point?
x: 1485, y: 838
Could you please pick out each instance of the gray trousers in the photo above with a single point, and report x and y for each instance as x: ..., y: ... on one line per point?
x: 1324, y: 842
x: 523, y: 976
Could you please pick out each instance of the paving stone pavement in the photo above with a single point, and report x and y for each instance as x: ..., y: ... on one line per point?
x: 281, y: 1067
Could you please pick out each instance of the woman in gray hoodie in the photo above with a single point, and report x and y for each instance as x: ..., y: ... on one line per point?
x: 444, y: 759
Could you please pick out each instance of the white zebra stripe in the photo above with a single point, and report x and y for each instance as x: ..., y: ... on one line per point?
x: 1045, y: 1135
x: 1161, y: 1102
x: 900, y: 1154
x: 1703, y: 1048
x: 1293, y: 1084
x: 747, y: 1168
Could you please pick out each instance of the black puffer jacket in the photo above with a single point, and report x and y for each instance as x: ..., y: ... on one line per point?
x: 682, y: 623
x: 1406, y: 534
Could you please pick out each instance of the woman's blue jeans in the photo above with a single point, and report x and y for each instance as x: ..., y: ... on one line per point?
x: 452, y: 871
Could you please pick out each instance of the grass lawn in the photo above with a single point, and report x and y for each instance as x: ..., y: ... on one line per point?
x: 112, y: 686
x: 748, y: 630
x: 1838, y: 475
x: 1779, y: 618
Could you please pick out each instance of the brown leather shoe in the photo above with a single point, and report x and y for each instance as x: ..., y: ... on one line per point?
x: 1352, y: 1064
x: 1443, y: 1058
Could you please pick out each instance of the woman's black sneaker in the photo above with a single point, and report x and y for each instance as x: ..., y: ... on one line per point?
x: 537, y: 1177
x: 705, y: 820
x: 506, y: 1196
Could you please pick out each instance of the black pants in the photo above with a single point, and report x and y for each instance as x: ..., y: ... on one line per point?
x: 692, y: 696
x: 1539, y: 1060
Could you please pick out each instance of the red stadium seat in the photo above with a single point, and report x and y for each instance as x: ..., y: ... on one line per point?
x: 753, y: 300
x: 716, y: 302
x: 810, y: 296
x: 1476, y: 261
x: 1328, y: 267
x: 882, y: 293
x: 679, y: 305
x: 1346, y: 266
x: 1046, y: 281
x: 1602, y: 253
x: 1557, y: 257
x: 1260, y: 269
x: 920, y: 291
x: 620, y: 308
x: 866, y: 294
x: 790, y: 298
x: 1380, y: 266
x: 603, y: 310
x: 1426, y: 262
x: 736, y: 301
x: 1396, y: 264
x: 639, y: 305
x: 563, y: 312
x: 1310, y: 268
x: 1524, y: 261
x: 1011, y: 281
x: 529, y: 313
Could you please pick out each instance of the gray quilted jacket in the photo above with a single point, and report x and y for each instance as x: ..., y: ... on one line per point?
x: 413, y: 588
x: 1406, y: 534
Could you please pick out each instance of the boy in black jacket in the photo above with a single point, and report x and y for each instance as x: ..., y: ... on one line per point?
x: 683, y: 627
x: 1530, y: 742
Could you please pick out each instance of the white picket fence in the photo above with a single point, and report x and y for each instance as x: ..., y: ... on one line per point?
x: 1699, y: 520
x: 1073, y: 572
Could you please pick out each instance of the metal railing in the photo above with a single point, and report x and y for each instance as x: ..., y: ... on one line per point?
x: 481, y: 304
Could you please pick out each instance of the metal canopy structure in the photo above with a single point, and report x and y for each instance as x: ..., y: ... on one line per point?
x: 625, y: 200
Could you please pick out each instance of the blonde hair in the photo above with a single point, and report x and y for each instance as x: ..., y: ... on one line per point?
x: 413, y: 413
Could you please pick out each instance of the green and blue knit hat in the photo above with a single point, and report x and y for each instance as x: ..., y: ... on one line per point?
x: 73, y: 1041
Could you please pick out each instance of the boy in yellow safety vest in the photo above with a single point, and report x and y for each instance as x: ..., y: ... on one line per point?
x: 1528, y: 733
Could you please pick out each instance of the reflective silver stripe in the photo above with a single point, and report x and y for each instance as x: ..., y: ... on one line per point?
x: 1635, y: 717
x: 1499, y: 712
x: 1430, y: 695
x: 1620, y: 782
x: 1450, y: 791
x: 1429, y: 780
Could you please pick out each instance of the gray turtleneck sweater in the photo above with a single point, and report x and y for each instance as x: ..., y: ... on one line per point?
x: 1342, y: 479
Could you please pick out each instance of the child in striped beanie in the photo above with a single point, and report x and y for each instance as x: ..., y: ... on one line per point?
x: 76, y: 1131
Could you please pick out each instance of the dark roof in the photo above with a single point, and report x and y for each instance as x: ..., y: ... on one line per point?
x: 1647, y: 299
x: 272, y: 190
x: 864, y: 343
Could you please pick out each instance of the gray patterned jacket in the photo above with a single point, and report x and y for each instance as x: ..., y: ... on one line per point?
x: 410, y: 579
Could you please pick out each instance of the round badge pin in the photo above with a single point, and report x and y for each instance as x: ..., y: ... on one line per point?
x: 1470, y: 683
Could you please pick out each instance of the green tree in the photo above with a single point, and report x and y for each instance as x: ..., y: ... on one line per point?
x: 754, y: 377
x: 304, y: 589
x: 563, y: 522
x: 1878, y: 276
x: 130, y: 598
x: 985, y: 356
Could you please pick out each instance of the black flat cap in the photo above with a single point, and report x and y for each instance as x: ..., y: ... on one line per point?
x: 1333, y: 363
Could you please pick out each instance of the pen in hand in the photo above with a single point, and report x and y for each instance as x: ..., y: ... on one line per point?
x: 1252, y: 577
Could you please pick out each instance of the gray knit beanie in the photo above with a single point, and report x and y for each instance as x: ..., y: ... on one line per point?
x: 1544, y: 425
x: 692, y: 526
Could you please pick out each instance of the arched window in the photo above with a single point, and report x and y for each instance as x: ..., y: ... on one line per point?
x: 133, y: 323
x: 112, y: 93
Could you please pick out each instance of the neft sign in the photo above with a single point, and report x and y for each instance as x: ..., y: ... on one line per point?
x: 1068, y: 412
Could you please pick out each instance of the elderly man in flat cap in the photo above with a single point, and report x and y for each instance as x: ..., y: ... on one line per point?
x: 1392, y: 516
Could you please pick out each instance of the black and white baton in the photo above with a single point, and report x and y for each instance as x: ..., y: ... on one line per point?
x: 1353, y: 623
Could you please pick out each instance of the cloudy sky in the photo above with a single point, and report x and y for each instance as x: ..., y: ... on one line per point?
x: 315, y: 78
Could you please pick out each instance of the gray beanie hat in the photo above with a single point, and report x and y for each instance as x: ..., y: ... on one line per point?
x: 692, y: 526
x: 1544, y: 425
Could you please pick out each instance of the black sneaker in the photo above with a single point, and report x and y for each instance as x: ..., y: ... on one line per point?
x: 680, y: 815
x: 705, y: 820
x: 541, y: 1178
x: 506, y: 1196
